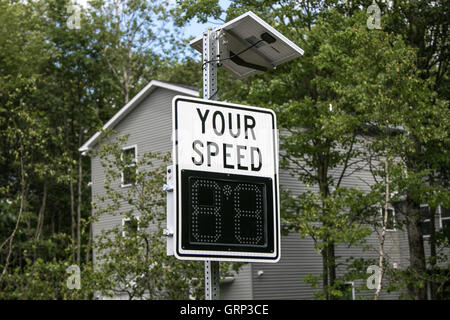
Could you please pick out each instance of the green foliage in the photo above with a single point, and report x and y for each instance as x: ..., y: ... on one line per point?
x: 57, y: 87
x: 132, y: 259
x: 335, y: 219
x: 46, y: 280
x: 353, y: 82
x: 203, y: 10
x: 324, y: 101
x: 131, y: 35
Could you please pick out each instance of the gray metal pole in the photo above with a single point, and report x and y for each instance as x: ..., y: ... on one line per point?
x: 209, y: 68
x: 212, y: 280
x: 212, y: 276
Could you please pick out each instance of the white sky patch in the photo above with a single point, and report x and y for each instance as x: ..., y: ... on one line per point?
x: 192, y: 29
x: 81, y: 3
x: 196, y: 29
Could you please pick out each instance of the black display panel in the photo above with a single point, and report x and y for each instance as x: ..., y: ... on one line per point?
x: 225, y: 212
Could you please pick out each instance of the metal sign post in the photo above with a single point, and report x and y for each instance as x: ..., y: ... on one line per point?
x: 227, y: 207
x: 212, y: 279
x: 210, y: 50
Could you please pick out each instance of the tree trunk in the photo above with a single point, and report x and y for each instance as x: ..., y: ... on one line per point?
x: 80, y: 180
x: 72, y: 212
x: 331, y: 266
x: 416, y: 248
x: 52, y: 223
x: 126, y: 86
x: 433, y: 255
x: 387, y: 200
x: 325, y: 272
x: 329, y: 262
x: 40, y: 222
x: 88, y: 250
x: 10, y: 239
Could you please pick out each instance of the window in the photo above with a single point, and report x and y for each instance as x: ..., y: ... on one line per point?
x: 348, y: 290
x: 390, y: 226
x: 130, y: 226
x: 425, y: 222
x: 129, y: 158
x: 445, y: 218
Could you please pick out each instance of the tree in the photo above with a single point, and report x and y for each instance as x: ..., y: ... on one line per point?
x: 23, y: 129
x: 133, y: 35
x: 132, y: 258
x: 426, y: 30
x: 324, y: 103
x: 423, y: 26
x: 56, y: 88
x: 419, y: 24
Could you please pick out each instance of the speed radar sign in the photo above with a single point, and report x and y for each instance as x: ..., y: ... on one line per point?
x: 226, y: 181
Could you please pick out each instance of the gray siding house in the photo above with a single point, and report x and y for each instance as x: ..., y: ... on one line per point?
x: 147, y: 119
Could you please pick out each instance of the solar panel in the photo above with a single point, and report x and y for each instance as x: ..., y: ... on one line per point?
x: 248, y: 45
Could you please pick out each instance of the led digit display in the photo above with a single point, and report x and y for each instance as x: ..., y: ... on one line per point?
x: 225, y: 212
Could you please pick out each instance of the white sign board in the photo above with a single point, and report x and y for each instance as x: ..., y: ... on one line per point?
x: 226, y: 181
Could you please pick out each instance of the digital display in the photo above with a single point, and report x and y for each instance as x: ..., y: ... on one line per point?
x: 225, y: 212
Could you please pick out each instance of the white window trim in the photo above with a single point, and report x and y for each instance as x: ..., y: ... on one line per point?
x: 134, y: 146
x: 128, y: 219
x: 424, y: 205
x: 382, y: 218
x: 441, y: 225
x: 352, y: 283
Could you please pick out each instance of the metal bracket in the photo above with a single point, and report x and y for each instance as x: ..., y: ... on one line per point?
x: 170, y: 212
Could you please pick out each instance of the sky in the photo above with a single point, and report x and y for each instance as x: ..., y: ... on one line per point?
x: 196, y: 29
x: 193, y: 29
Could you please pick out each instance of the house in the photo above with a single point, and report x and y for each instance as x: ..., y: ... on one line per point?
x: 147, y: 119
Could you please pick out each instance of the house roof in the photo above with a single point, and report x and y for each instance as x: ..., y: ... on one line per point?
x: 122, y: 113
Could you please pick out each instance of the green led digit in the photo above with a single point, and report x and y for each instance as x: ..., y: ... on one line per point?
x: 206, y: 220
x: 248, y: 220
